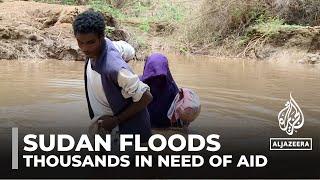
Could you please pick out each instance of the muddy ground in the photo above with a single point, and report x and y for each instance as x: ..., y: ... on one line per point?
x: 38, y: 30
x: 32, y: 30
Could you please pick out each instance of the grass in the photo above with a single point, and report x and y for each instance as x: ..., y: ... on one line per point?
x: 272, y: 27
x: 219, y: 21
x: 144, y: 13
x: 264, y: 29
x: 145, y: 26
x: 143, y: 17
x: 169, y: 12
x: 139, y: 9
x: 68, y: 2
x: 102, y: 6
x: 109, y: 31
x: 238, y: 24
x: 161, y: 10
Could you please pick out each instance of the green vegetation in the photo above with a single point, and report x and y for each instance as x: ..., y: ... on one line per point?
x: 109, y: 31
x: 144, y: 12
x: 161, y: 10
x: 144, y: 26
x: 239, y: 23
x: 169, y: 12
x: 263, y: 30
x: 235, y: 24
x: 223, y: 19
x: 68, y: 2
x: 140, y: 20
x: 272, y: 27
x: 102, y: 6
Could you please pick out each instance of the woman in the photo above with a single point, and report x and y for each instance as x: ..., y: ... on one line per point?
x: 157, y: 76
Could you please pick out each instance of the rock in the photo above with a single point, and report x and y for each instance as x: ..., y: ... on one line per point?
x: 7, y: 51
x: 51, y: 21
x: 9, y: 33
x: 315, y: 43
x: 263, y: 54
x: 110, y: 20
x: 34, y: 37
x: 302, y: 61
x: 68, y: 16
x: 163, y: 28
x: 119, y: 35
x: 314, y: 61
x: 48, y: 43
x: 310, y: 59
x: 41, y: 20
x: 74, y: 46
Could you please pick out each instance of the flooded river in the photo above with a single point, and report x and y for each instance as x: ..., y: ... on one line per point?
x: 235, y: 94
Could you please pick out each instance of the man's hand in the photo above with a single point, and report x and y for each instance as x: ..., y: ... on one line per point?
x: 135, y: 107
x: 108, y: 122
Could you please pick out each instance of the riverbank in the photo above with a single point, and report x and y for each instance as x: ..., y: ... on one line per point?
x: 259, y: 29
x: 35, y: 30
x: 31, y: 30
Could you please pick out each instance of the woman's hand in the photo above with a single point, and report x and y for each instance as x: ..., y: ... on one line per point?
x: 108, y: 122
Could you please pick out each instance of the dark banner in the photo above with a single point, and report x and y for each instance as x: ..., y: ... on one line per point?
x: 70, y: 153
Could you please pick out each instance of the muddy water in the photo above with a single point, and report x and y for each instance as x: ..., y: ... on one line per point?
x: 235, y: 94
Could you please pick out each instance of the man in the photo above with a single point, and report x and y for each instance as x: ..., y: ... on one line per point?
x: 115, y: 95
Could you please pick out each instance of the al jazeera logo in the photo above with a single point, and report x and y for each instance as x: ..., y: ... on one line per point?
x: 290, y: 120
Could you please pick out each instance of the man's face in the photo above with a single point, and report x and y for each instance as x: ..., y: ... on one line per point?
x: 90, y: 44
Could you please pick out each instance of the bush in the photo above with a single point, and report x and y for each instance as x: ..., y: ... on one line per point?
x: 302, y: 12
x: 271, y: 27
x: 225, y: 21
x: 221, y: 18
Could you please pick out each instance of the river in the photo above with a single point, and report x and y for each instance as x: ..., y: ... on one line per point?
x: 236, y: 95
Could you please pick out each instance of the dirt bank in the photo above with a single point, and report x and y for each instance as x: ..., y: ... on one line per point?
x: 258, y: 29
x: 39, y: 30
x: 301, y: 41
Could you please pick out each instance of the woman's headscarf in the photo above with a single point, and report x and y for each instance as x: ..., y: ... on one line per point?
x: 163, y: 89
